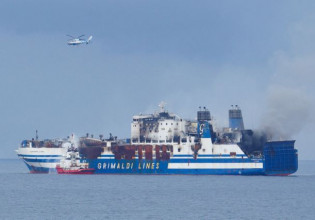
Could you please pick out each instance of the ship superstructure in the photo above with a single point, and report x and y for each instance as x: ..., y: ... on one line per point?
x: 164, y: 143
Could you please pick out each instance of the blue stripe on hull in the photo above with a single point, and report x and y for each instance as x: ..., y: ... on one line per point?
x: 108, y: 166
x: 112, y: 166
x: 34, y: 169
x: 42, y: 160
x: 218, y: 171
x: 230, y: 160
x: 30, y: 155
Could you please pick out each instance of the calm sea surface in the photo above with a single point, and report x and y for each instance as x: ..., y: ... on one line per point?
x: 52, y: 196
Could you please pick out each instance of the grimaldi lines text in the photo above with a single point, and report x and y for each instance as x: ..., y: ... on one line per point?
x: 128, y: 165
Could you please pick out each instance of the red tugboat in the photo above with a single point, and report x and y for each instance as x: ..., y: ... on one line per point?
x: 71, y: 164
x: 74, y: 170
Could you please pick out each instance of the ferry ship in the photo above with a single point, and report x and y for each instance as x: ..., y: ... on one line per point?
x: 164, y: 143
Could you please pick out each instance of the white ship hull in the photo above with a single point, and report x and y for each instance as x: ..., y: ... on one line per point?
x: 41, y: 160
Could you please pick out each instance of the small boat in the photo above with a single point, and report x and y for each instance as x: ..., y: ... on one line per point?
x: 71, y: 164
x: 74, y: 170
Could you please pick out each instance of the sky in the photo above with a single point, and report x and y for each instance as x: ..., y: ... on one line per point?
x: 257, y: 54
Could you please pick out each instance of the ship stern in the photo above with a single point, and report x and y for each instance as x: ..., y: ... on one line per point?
x: 281, y: 158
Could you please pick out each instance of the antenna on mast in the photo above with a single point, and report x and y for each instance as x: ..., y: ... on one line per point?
x: 162, y: 106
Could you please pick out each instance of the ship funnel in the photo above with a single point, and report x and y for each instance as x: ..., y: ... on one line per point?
x: 204, y: 129
x: 203, y: 115
x: 236, y: 118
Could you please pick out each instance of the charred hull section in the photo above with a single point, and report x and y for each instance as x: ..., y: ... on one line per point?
x: 91, y: 152
x: 147, y: 152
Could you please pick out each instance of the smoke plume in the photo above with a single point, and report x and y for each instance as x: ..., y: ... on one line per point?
x: 288, y: 110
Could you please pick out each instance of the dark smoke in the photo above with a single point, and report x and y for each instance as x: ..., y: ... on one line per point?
x: 253, y: 141
x: 288, y: 111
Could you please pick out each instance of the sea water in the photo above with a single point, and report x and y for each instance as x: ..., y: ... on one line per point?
x: 53, y: 196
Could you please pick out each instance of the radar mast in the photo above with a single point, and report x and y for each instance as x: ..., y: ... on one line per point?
x: 162, y: 106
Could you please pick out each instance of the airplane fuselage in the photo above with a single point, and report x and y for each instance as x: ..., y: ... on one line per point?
x: 76, y: 42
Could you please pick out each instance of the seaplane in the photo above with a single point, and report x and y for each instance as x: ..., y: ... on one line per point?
x: 79, y: 40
